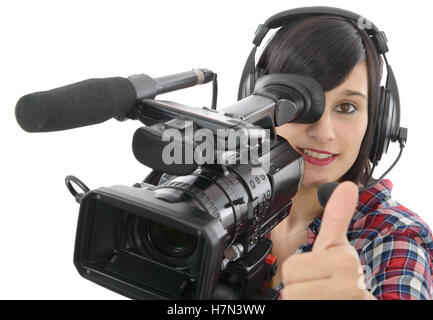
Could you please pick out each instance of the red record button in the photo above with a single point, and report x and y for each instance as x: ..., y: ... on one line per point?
x: 270, y: 259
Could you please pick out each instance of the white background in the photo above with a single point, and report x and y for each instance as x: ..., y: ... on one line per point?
x: 47, y: 44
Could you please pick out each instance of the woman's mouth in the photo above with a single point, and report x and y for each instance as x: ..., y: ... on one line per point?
x: 317, y: 157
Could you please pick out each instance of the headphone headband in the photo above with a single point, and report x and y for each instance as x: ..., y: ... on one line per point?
x: 277, y: 20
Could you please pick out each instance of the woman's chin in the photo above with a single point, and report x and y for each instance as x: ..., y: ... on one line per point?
x: 315, y: 182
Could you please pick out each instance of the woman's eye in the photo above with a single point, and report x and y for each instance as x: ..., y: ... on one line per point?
x: 346, y: 108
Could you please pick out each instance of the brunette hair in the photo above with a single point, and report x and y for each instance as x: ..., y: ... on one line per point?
x: 327, y: 48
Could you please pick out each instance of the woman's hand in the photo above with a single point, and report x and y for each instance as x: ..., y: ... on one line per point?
x: 332, y: 270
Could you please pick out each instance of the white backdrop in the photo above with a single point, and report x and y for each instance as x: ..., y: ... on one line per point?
x: 47, y: 44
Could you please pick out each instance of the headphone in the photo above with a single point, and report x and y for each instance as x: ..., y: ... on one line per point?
x: 387, y: 127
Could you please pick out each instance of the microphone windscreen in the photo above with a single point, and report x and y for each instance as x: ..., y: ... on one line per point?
x: 325, y: 191
x: 76, y: 105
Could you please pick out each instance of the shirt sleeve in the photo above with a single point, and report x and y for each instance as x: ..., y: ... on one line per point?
x: 397, y: 267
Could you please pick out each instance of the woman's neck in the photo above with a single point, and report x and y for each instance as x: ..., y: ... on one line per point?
x: 305, y: 208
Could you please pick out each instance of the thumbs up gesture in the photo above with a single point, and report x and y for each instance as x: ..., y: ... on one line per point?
x: 332, y: 270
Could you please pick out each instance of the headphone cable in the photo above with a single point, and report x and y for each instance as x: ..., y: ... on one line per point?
x: 402, y: 145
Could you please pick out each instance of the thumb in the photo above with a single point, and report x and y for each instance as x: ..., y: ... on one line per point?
x: 337, y: 216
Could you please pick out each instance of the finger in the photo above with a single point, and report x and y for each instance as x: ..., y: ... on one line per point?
x: 323, y: 289
x: 337, y: 216
x: 320, y: 265
x: 310, y: 290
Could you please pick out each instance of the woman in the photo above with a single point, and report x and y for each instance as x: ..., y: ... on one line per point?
x: 383, y: 241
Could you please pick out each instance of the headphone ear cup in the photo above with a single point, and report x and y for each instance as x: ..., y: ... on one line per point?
x: 246, y: 87
x: 377, y: 145
x: 259, y: 72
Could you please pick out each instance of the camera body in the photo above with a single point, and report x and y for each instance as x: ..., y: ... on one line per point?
x: 202, y: 233
x: 198, y: 236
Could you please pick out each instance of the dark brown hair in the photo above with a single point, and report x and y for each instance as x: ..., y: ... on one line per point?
x: 327, y: 48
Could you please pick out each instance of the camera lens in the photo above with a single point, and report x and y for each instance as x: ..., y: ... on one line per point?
x: 170, y: 241
x: 161, y: 242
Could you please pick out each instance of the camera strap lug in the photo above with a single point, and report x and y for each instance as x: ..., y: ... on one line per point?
x: 77, y: 195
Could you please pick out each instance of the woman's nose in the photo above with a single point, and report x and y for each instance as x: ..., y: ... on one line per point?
x: 323, y: 129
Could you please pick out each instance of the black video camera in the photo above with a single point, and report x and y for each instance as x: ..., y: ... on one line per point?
x: 195, y: 228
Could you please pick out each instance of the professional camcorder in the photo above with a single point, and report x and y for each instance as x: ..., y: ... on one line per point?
x: 197, y: 226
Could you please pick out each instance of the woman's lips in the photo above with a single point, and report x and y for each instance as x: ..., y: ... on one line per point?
x: 318, y: 151
x: 316, y: 161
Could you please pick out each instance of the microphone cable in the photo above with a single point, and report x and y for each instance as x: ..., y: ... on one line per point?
x: 214, y: 91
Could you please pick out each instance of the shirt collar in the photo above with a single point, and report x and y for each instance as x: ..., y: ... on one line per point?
x: 368, y: 200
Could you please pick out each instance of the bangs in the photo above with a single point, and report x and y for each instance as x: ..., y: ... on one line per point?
x: 325, y: 48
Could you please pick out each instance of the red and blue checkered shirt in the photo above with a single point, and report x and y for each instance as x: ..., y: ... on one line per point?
x: 394, y: 244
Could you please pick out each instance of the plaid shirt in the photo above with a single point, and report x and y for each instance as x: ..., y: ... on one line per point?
x: 394, y: 244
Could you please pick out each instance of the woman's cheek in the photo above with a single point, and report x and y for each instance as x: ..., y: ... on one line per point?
x: 351, y: 136
x: 290, y: 131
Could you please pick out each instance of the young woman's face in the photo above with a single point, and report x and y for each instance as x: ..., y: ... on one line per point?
x: 331, y: 145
